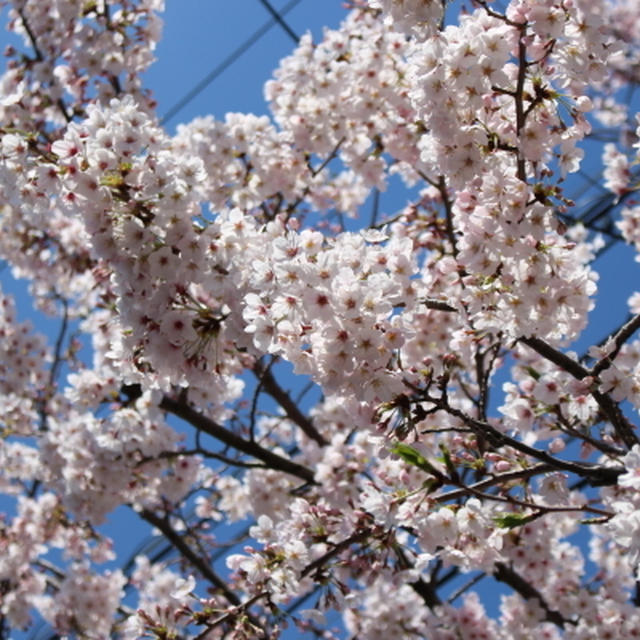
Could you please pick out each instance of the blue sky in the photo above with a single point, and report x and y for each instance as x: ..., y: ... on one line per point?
x: 199, y: 34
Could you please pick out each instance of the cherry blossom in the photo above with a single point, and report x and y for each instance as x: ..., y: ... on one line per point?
x: 372, y: 420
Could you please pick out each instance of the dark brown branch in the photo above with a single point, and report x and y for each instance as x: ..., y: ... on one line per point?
x: 254, y: 404
x: 202, y: 565
x: 465, y: 587
x: 328, y: 159
x: 636, y: 594
x: 619, y: 421
x: 608, y: 407
x: 502, y: 478
x: 598, y: 474
x: 557, y: 357
x: 483, y: 374
x: 200, y: 421
x: 271, y: 386
x: 40, y: 58
x: 426, y: 589
x: 437, y: 305
x: 200, y: 451
x: 55, y: 366
x: 519, y: 98
x: 318, y: 563
x: 499, y: 16
x: 539, y: 510
x: 623, y: 334
x: 32, y: 36
x: 314, y: 172
x: 427, y: 592
x: 572, y: 432
x: 229, y: 615
x: 503, y: 573
x: 448, y: 212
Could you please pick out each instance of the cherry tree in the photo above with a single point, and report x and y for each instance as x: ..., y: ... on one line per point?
x: 374, y: 426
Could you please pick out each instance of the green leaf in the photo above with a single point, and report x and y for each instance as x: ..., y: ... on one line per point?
x: 602, y: 520
x: 512, y: 520
x: 532, y: 372
x: 448, y: 462
x: 413, y: 457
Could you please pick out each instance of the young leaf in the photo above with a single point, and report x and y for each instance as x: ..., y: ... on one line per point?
x: 512, y: 520
x: 413, y: 457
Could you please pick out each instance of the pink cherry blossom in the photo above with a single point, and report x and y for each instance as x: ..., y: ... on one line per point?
x: 322, y: 412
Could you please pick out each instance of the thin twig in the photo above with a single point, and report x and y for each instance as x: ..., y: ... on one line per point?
x: 335, y: 550
x: 502, y: 478
x: 599, y: 474
x: 622, y: 335
x: 271, y: 386
x: 465, y: 587
x: 609, y: 408
x: 230, y: 614
x: 505, y: 574
x: 200, y: 421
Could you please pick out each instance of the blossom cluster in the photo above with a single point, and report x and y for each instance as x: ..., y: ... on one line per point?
x: 23, y: 380
x: 438, y: 428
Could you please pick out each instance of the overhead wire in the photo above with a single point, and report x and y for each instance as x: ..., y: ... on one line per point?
x: 276, y: 18
x: 280, y: 20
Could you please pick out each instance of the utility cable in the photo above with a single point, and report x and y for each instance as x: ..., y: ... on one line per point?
x: 280, y: 20
x: 230, y: 59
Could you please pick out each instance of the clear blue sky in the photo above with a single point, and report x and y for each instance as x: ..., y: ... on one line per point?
x: 199, y: 34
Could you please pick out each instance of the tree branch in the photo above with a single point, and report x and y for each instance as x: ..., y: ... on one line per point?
x: 437, y: 305
x: 448, y: 211
x: 202, y: 565
x: 505, y: 574
x: 623, y: 334
x: 200, y: 421
x: 271, y: 386
x: 229, y: 615
x: 509, y: 476
x: 40, y: 58
x: 519, y: 97
x: 600, y: 474
x: 608, y: 407
x: 557, y: 357
x: 427, y: 592
x: 359, y: 536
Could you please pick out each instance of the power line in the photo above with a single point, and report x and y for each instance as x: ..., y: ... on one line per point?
x: 589, y: 221
x: 231, y: 58
x: 280, y: 20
